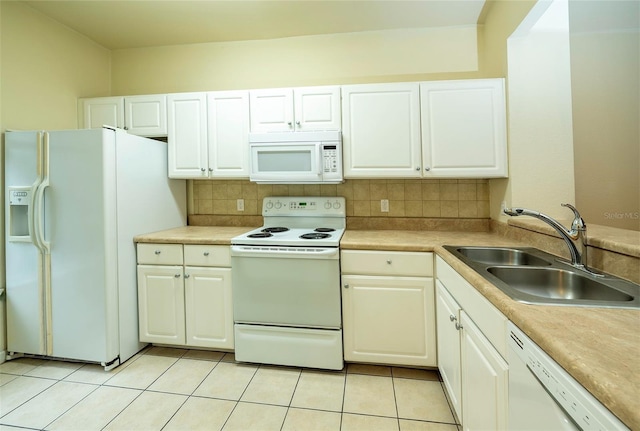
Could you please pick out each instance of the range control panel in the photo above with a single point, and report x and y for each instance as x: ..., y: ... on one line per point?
x: 312, y: 206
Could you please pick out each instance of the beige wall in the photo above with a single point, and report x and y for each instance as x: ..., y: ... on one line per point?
x: 375, y: 56
x: 606, y: 97
x: 45, y: 68
x: 540, y: 136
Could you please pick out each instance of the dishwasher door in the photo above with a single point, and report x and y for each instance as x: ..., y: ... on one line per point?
x: 530, y: 405
x: 543, y: 396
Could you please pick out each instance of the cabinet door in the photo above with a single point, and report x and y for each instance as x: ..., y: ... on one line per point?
x: 187, y: 141
x: 271, y: 110
x: 464, y: 128
x: 485, y: 377
x: 209, y: 310
x: 317, y: 108
x: 103, y: 111
x: 161, y: 304
x: 381, y: 130
x: 389, y: 320
x: 447, y: 324
x: 146, y: 115
x: 228, y: 130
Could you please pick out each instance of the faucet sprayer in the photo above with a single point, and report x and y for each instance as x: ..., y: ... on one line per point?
x: 577, y: 233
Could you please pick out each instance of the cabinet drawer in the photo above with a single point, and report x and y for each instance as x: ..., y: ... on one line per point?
x: 160, y: 254
x: 404, y: 263
x: 207, y: 255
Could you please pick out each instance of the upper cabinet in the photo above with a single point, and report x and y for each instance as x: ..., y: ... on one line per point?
x: 187, y: 142
x: 139, y: 115
x: 209, y: 134
x: 381, y: 130
x: 295, y: 109
x: 439, y: 129
x: 464, y: 128
x: 228, y: 131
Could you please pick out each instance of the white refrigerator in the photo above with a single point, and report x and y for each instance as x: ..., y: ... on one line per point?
x: 74, y: 201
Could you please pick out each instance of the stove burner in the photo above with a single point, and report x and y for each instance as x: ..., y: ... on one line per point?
x: 259, y: 235
x: 324, y: 229
x: 315, y: 235
x: 276, y: 229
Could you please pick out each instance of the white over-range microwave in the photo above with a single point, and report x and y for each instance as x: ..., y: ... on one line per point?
x: 296, y: 157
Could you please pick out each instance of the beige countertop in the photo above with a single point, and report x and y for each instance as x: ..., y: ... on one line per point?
x: 599, y: 347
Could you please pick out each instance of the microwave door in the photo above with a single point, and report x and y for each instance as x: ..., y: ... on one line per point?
x: 293, y: 162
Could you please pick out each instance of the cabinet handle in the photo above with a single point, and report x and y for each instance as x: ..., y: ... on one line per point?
x: 187, y: 276
x: 453, y: 318
x: 206, y: 253
x: 289, y: 123
x: 126, y: 128
x: 177, y: 275
x: 346, y: 286
x: 458, y: 326
x: 417, y: 168
x: 389, y: 262
x: 427, y: 168
x: 202, y: 169
x: 157, y: 252
x: 298, y: 122
x: 210, y: 169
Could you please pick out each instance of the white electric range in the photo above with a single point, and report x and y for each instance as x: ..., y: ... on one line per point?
x: 286, y: 284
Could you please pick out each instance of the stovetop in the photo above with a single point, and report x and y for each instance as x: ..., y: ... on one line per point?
x: 298, y: 221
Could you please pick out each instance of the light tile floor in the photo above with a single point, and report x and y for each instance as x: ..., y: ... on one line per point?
x: 177, y: 389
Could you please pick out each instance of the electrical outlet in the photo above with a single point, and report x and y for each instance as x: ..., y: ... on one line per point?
x: 384, y: 205
x: 240, y: 204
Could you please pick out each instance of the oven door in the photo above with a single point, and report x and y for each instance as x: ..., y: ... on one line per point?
x: 286, y: 286
x: 291, y: 162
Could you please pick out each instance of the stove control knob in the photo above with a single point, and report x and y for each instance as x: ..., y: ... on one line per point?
x: 327, y: 205
x: 278, y: 205
x: 336, y: 205
x: 269, y: 205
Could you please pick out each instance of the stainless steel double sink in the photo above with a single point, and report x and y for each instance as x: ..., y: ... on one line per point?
x: 532, y: 276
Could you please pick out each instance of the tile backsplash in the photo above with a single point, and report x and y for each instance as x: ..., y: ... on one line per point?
x: 420, y: 198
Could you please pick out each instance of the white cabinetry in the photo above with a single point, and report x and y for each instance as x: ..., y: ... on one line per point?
x: 433, y: 129
x: 388, y: 309
x: 187, y: 142
x: 472, y: 345
x: 464, y: 128
x: 139, y: 115
x: 299, y: 109
x: 209, y: 135
x: 449, y: 349
x: 228, y: 131
x: 381, y: 130
x: 185, y: 301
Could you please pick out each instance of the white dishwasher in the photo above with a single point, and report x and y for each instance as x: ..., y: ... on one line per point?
x: 543, y: 396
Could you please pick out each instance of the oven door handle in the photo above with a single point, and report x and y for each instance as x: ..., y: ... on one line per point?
x: 285, y: 252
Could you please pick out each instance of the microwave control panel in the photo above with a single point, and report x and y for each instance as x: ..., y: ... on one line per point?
x: 331, y: 161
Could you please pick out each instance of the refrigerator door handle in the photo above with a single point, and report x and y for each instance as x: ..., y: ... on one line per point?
x: 44, y: 183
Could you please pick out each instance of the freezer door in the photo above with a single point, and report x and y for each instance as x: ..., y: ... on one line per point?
x: 26, y: 320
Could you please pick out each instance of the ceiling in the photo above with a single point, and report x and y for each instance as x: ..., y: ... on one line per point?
x: 117, y: 24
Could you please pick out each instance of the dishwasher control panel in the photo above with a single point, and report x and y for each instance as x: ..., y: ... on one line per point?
x: 583, y: 408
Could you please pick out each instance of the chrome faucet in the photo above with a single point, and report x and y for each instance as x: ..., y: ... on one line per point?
x: 575, y: 238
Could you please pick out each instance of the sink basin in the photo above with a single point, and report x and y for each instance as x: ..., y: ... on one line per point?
x: 557, y: 284
x: 532, y: 276
x: 501, y: 256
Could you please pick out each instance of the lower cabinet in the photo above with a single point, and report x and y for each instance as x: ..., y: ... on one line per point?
x: 185, y: 304
x: 485, y: 378
x: 388, y: 309
x: 471, y: 350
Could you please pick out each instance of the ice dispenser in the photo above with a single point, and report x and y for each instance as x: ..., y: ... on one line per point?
x: 18, y: 217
